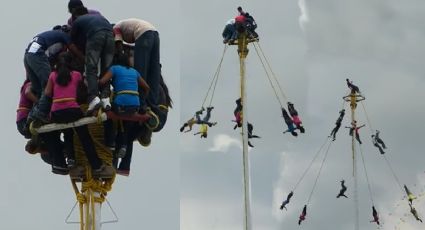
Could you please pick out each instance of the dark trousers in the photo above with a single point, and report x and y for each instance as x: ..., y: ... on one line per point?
x: 38, y: 70
x: 125, y: 163
x: 71, y: 115
x: 121, y: 134
x: 99, y: 48
x: 20, y: 125
x: 147, y: 62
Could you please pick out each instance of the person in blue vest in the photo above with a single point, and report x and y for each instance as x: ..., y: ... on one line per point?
x: 126, y: 82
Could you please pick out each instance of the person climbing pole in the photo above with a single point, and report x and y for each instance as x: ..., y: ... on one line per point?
x: 410, y: 196
x: 375, y: 216
x: 354, y: 130
x: 295, y: 118
x: 291, y: 128
x: 303, y: 215
x: 285, y: 202
x: 238, y: 113
x: 337, y: 124
x: 415, y: 213
x: 343, y: 190
x: 378, y: 142
x: 250, y: 135
x: 354, y: 89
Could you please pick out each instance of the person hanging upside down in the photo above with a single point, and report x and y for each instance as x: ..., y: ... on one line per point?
x: 415, y: 213
x: 375, y: 216
x: 378, y: 142
x: 291, y: 128
x: 337, y: 124
x: 285, y: 202
x: 206, y: 119
x: 189, y: 123
x: 410, y: 196
x: 303, y: 215
x: 203, y: 130
x: 355, y: 129
x: 342, y: 191
x: 295, y: 118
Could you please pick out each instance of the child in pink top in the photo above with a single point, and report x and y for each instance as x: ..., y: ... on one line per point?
x: 62, y: 87
x: 295, y: 118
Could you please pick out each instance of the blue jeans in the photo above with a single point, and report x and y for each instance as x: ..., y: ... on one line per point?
x: 99, y: 47
x: 147, y: 62
x: 38, y: 70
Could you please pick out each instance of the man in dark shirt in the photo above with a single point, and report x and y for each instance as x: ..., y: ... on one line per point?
x: 97, y: 33
x: 43, y: 48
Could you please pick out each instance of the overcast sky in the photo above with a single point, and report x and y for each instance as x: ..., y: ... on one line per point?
x: 34, y: 198
x: 312, y: 46
x: 196, y: 183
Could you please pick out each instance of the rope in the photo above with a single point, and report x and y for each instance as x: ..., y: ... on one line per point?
x: 215, y: 75
x: 91, y: 185
x: 392, y: 171
x: 318, y: 174
x: 268, y: 77
x: 367, y: 118
x: 388, y: 163
x: 271, y: 70
x: 367, y: 176
x: 311, y: 163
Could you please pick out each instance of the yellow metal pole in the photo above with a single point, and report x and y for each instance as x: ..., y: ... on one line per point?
x: 243, y: 52
x: 353, y: 98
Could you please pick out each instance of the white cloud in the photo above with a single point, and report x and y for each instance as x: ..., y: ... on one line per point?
x: 223, y: 142
x: 304, y: 18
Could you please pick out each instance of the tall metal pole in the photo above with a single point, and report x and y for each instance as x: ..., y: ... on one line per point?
x: 243, y: 52
x: 353, y: 98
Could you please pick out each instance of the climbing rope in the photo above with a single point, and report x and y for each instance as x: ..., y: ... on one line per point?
x: 268, y: 77
x: 271, y: 70
x: 311, y: 163
x: 318, y: 174
x: 214, y: 80
x: 367, y: 176
x: 86, y: 195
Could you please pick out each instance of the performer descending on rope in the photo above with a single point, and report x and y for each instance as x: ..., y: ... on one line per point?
x: 378, y: 142
x: 295, y: 118
x: 204, y: 122
x: 343, y: 190
x: 285, y: 202
x: 291, y: 128
x: 410, y: 196
x: 337, y: 124
x: 354, y: 130
x: 303, y: 215
x: 415, y: 213
x: 375, y: 216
